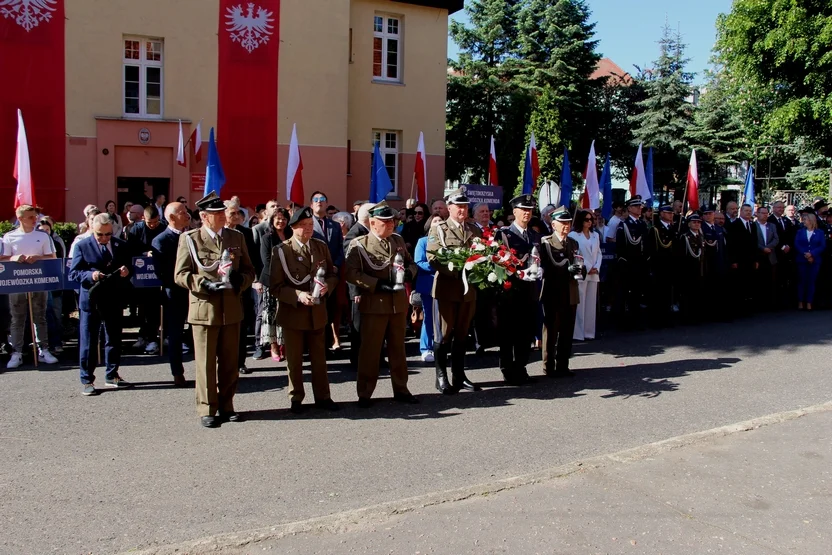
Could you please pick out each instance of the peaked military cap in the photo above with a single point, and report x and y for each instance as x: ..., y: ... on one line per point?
x: 820, y: 203
x: 807, y: 210
x: 300, y: 214
x: 457, y: 196
x: 694, y: 217
x: 382, y: 211
x: 561, y: 215
x: 211, y: 203
x: 707, y: 208
x: 525, y: 202
x: 635, y: 200
x: 666, y: 208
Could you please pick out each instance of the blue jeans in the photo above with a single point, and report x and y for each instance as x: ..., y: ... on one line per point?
x: 426, y: 338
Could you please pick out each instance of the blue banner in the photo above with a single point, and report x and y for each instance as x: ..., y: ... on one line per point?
x: 490, y: 195
x: 144, y: 272
x: 68, y: 283
x: 607, y: 259
x: 43, y: 275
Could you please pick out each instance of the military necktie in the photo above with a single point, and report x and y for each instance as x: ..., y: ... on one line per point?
x: 105, y: 255
x: 525, y: 236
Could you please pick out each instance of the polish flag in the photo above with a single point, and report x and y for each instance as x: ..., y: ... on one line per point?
x: 592, y: 196
x: 196, y: 141
x: 294, y: 171
x: 23, y: 168
x: 421, y: 171
x: 180, y: 152
x: 638, y: 180
x: 492, y: 165
x: 693, y: 182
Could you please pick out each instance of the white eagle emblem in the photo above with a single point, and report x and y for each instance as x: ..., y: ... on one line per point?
x: 27, y: 13
x: 250, y: 30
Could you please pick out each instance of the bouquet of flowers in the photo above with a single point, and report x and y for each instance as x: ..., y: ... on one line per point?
x: 485, y: 264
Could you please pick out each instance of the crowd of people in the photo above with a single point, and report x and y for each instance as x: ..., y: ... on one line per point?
x: 288, y: 281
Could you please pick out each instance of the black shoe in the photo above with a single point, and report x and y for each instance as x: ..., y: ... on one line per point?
x: 259, y: 353
x: 244, y: 369
x: 407, y: 398
x: 210, y: 422
x: 442, y: 385
x: 230, y: 417
x: 179, y: 381
x: 297, y: 407
x: 440, y: 360
x: 328, y: 404
x: 461, y: 381
x: 364, y: 402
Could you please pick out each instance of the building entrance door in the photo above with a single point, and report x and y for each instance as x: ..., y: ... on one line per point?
x: 142, y: 190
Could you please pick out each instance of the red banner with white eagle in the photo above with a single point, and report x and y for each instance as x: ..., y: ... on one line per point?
x: 249, y: 37
x: 32, y: 71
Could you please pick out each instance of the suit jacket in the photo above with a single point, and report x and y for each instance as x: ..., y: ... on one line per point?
x: 223, y: 307
x: 815, y: 246
x: 87, y: 259
x: 368, y: 250
x: 165, y: 247
x: 253, y: 250
x: 771, y: 241
x: 357, y: 230
x: 334, y: 239
x: 140, y: 237
x: 631, y: 251
x: 785, y: 231
x: 261, y: 230
x: 267, y: 244
x: 559, y: 288
x: 742, y: 244
x: 288, y: 262
x: 447, y: 284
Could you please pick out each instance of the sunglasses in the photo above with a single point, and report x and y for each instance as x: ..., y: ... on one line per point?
x: 103, y: 234
x: 318, y: 199
x: 419, y: 212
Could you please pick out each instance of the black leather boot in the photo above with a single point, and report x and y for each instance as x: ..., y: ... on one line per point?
x: 460, y: 380
x: 440, y: 354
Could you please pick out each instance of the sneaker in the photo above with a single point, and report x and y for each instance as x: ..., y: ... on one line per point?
x: 140, y: 343
x: 427, y: 356
x: 259, y: 353
x: 57, y: 349
x: 152, y: 348
x: 45, y: 356
x: 88, y: 389
x: 117, y: 383
x: 15, y: 361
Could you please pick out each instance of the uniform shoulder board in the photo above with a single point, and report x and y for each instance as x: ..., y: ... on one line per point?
x: 192, y: 233
x: 320, y: 241
x: 235, y: 231
x: 396, y: 235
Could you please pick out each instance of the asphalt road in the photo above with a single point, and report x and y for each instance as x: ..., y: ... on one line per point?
x: 133, y: 469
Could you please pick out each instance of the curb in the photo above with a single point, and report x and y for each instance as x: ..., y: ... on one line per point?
x: 345, y: 521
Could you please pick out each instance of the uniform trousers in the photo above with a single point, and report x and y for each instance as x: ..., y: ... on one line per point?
x: 374, y: 329
x: 455, y: 320
x: 586, y: 311
x: 517, y: 320
x: 558, y: 327
x: 217, y: 373
x: 313, y: 341
x: 19, y: 304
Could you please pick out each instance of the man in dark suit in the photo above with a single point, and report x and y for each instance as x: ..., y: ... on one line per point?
x: 175, y: 298
x: 101, y: 265
x: 361, y: 228
x: 234, y: 219
x: 786, y: 271
x: 767, y: 243
x: 258, y: 233
x: 140, y: 240
x: 742, y: 252
x: 330, y: 233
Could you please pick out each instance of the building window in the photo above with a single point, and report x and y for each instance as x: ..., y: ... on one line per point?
x: 387, y: 48
x: 143, y: 60
x: 388, y: 143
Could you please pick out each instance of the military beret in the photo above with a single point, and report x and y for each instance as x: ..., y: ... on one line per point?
x: 211, y: 203
x: 300, y: 214
x: 525, y: 202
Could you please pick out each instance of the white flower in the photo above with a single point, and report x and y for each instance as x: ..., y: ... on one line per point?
x: 451, y: 266
x: 457, y: 250
x: 492, y: 277
x: 469, y: 266
x: 441, y: 250
x: 478, y: 247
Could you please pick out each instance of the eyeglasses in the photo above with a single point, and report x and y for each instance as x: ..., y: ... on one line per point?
x: 318, y: 199
x: 103, y: 234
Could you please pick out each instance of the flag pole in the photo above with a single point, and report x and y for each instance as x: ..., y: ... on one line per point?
x: 35, y: 337
x: 412, y: 184
x: 684, y: 200
x: 162, y: 331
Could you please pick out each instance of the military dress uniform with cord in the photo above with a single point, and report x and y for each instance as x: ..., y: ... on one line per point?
x: 293, y: 271
x: 215, y: 314
x: 692, y: 259
x: 456, y: 306
x: 661, y: 253
x: 517, y: 307
x: 715, y: 263
x: 559, y: 298
x: 370, y: 262
x: 630, y: 265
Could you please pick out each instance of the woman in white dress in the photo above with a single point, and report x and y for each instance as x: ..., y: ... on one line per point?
x: 589, y: 246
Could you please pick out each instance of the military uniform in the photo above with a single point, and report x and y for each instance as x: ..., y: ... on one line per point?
x: 518, y: 307
x: 660, y: 253
x: 456, y: 307
x: 630, y: 265
x: 383, y: 310
x: 293, y: 271
x: 214, y: 315
x: 559, y: 298
x: 715, y: 263
x: 693, y: 259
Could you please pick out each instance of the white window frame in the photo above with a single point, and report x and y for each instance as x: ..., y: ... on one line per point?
x: 385, y: 35
x: 381, y: 136
x: 143, y: 64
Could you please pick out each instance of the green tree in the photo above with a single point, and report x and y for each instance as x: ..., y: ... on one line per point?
x: 666, y: 115
x: 779, y: 50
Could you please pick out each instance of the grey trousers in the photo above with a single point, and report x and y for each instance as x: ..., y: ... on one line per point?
x: 20, y: 311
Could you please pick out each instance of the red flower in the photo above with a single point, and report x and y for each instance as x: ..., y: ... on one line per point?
x: 513, y: 251
x: 512, y: 269
x: 474, y: 258
x: 495, y: 258
x: 506, y: 285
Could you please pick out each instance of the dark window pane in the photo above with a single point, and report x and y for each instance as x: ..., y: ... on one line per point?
x: 131, y: 90
x: 131, y: 73
x: 154, y: 75
x: 154, y: 90
x: 131, y: 105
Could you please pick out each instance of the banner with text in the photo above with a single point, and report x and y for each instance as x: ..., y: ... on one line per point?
x: 144, y: 272
x: 43, y: 275
x: 490, y: 195
x: 607, y: 260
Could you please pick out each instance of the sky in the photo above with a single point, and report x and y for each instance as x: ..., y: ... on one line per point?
x: 628, y: 30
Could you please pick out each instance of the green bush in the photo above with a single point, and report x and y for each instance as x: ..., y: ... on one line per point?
x: 5, y: 227
x: 66, y: 231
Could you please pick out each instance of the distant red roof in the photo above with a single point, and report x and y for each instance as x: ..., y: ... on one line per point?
x: 608, y: 68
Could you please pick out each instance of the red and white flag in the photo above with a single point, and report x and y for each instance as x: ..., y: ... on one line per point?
x: 638, y: 180
x: 23, y: 168
x: 196, y: 141
x: 492, y: 165
x: 592, y: 198
x: 294, y: 171
x: 693, y: 182
x: 421, y: 170
x: 180, y: 152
